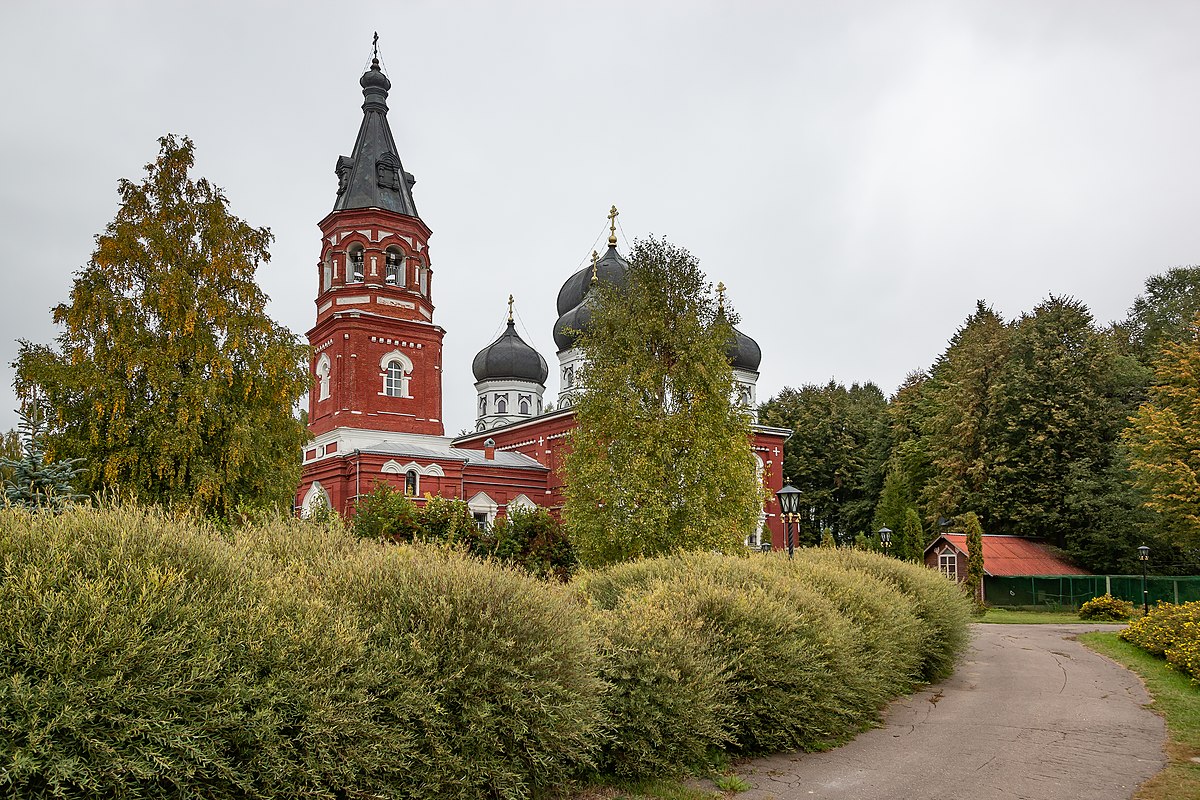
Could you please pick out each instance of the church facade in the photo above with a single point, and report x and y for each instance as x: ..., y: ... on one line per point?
x: 375, y: 409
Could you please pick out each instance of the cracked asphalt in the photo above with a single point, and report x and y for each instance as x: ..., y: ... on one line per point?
x: 1030, y: 713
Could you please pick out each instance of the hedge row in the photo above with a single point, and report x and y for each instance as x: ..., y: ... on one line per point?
x: 145, y: 657
x: 1172, y: 632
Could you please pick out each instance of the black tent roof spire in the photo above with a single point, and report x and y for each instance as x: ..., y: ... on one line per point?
x: 372, y: 175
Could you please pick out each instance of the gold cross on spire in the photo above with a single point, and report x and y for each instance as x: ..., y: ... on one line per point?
x: 510, y: 308
x: 595, y: 259
x: 612, y: 226
x: 721, y: 296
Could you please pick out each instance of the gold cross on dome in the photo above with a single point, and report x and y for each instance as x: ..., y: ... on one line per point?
x: 612, y: 226
x: 721, y: 295
x: 510, y: 308
x: 595, y: 259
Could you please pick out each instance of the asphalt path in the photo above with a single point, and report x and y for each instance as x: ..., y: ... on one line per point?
x: 1030, y: 713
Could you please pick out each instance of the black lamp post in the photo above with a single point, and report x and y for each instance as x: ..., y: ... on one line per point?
x: 789, y: 508
x: 1144, y: 556
x: 885, y: 539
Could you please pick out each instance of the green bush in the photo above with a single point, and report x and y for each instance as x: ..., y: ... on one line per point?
x: 795, y: 667
x: 142, y: 657
x: 535, y: 541
x: 148, y: 657
x: 668, y: 705
x: 492, y: 671
x: 386, y: 514
x: 1106, y: 607
x: 937, y: 602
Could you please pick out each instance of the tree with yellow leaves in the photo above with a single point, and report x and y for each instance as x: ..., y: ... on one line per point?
x: 169, y: 380
x: 1164, y: 439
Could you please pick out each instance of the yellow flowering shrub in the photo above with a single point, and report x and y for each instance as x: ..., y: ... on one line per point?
x: 1171, y: 631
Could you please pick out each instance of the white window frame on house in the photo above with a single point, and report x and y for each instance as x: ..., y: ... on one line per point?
x: 948, y: 564
x: 322, y: 370
x: 316, y: 493
x: 396, y: 382
x: 483, y: 510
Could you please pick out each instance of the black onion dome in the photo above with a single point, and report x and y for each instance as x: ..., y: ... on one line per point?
x: 610, y: 268
x: 573, y: 309
x: 743, y: 352
x: 510, y: 358
x: 374, y: 78
x: 571, y: 324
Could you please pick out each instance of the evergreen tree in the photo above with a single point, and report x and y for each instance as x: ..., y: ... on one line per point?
x: 894, y: 501
x: 1057, y: 406
x: 912, y: 537
x: 169, y: 378
x: 1163, y: 313
x: 957, y: 415
x: 33, y: 481
x: 974, y: 581
x: 660, y: 459
x: 837, y: 453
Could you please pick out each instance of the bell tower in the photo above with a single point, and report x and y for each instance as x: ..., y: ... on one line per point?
x: 377, y: 354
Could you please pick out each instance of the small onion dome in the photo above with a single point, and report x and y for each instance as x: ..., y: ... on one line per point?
x: 743, y: 352
x: 374, y: 78
x: 610, y: 268
x: 509, y: 357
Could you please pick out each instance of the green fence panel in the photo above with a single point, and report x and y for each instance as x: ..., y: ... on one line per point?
x: 1072, y: 591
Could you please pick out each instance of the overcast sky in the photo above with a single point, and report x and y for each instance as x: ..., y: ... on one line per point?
x: 858, y: 173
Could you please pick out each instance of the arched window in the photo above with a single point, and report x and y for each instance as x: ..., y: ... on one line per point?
x: 501, y: 404
x: 323, y: 377
x: 354, y: 267
x: 396, y: 369
x: 326, y: 275
x: 394, y: 268
x: 423, y: 277
x: 523, y: 405
x: 411, y: 484
x: 568, y: 376
x: 482, y: 404
x: 393, y: 381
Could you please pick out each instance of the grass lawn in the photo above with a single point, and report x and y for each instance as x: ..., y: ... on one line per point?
x: 1177, y: 698
x: 1006, y: 616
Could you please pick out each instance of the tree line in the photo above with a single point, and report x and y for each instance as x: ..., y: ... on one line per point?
x: 1049, y: 425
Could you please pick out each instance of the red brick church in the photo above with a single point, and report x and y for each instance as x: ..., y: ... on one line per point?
x: 375, y: 410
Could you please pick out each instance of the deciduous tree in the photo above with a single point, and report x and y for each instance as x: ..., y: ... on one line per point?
x: 660, y: 457
x: 1163, y: 440
x: 169, y: 379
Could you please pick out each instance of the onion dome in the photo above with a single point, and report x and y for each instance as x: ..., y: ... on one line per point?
x: 743, y: 352
x: 573, y: 298
x: 510, y: 358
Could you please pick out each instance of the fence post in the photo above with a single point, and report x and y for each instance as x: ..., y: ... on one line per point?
x: 1176, y: 585
x: 1108, y: 584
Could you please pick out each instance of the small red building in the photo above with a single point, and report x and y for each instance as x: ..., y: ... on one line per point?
x: 1002, y: 556
x: 375, y: 410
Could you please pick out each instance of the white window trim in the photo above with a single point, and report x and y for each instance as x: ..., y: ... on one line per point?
x: 406, y: 367
x: 323, y: 368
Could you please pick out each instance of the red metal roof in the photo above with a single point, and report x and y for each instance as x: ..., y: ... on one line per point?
x: 1014, y: 555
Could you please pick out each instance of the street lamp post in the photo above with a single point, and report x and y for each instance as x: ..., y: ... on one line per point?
x: 789, y: 508
x: 885, y: 539
x: 1144, y: 556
